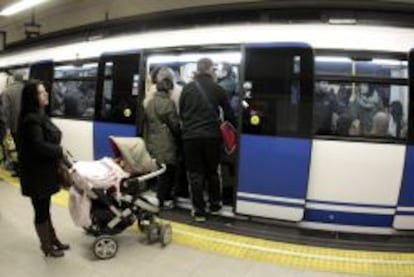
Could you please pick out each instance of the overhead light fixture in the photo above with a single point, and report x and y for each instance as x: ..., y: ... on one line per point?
x: 20, y: 6
x: 390, y: 62
x: 342, y: 21
x: 329, y: 59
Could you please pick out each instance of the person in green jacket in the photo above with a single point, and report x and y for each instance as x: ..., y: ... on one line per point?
x: 364, y: 105
x: 162, y: 128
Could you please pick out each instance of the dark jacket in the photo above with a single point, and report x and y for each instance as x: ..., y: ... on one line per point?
x: 324, y: 108
x: 39, y: 153
x: 230, y: 87
x: 199, y: 120
x: 162, y: 128
x: 11, y: 104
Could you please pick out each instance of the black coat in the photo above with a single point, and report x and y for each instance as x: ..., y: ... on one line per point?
x: 198, y: 119
x: 39, y: 153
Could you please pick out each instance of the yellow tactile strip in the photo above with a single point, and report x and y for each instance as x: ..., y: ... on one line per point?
x: 286, y: 254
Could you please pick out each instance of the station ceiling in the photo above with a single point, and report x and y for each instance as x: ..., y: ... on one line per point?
x: 57, y: 15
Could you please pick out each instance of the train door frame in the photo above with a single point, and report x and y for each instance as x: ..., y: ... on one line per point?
x: 203, y: 49
x: 126, y: 126
x: 287, y: 205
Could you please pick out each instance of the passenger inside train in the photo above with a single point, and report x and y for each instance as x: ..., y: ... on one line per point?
x: 335, y: 104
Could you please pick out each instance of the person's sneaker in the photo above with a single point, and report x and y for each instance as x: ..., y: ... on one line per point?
x: 215, y: 212
x: 168, y: 205
x: 198, y: 217
x: 215, y: 209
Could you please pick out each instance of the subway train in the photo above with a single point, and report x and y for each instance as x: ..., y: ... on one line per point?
x: 324, y: 112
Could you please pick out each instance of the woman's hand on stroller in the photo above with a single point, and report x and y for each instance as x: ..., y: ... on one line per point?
x: 67, y: 158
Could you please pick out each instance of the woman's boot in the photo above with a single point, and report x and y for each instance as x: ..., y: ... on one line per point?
x: 46, y: 242
x: 55, y: 241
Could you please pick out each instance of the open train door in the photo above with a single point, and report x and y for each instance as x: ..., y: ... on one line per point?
x: 117, y: 93
x: 275, y: 141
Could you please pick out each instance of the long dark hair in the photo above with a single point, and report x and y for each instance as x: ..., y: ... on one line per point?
x: 29, y: 101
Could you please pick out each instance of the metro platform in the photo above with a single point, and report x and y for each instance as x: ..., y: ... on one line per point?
x: 220, y: 247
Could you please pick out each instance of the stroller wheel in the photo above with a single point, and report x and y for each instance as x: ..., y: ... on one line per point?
x: 152, y: 232
x: 105, y: 247
x: 165, y: 234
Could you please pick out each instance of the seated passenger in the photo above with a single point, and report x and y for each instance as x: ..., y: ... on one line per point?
x: 380, y: 125
x: 161, y: 134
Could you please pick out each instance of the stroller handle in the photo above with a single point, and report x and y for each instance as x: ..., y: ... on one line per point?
x: 67, y: 159
x: 153, y: 174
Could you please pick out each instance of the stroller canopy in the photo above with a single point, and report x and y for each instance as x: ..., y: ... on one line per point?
x: 134, y: 154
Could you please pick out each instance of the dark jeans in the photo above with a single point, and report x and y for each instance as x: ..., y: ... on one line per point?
x: 202, y: 157
x: 166, y: 185
x: 41, y: 208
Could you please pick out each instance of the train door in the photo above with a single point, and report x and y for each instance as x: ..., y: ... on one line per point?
x: 117, y: 95
x: 404, y: 215
x: 275, y: 140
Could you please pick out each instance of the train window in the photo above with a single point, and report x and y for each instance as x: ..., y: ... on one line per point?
x: 73, y: 90
x: 372, y: 104
x: 381, y: 68
x: 333, y: 66
x: 120, y: 87
x: 272, y: 100
x: 24, y: 71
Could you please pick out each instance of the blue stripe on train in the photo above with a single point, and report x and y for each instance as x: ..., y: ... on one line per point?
x: 270, y: 202
x: 405, y: 213
x: 348, y: 218
x: 350, y: 204
x: 101, y: 132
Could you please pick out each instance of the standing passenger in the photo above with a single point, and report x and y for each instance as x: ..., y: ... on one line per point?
x: 11, y: 102
x: 365, y: 105
x: 199, y: 104
x: 11, y: 99
x: 161, y: 132
x: 38, y: 144
x: 324, y: 109
x: 228, y: 83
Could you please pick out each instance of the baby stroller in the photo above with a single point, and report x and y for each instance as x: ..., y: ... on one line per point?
x: 109, y: 195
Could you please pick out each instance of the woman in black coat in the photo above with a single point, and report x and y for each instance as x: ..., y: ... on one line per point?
x: 39, y: 150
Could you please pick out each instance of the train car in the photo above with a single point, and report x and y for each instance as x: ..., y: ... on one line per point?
x: 325, y: 128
